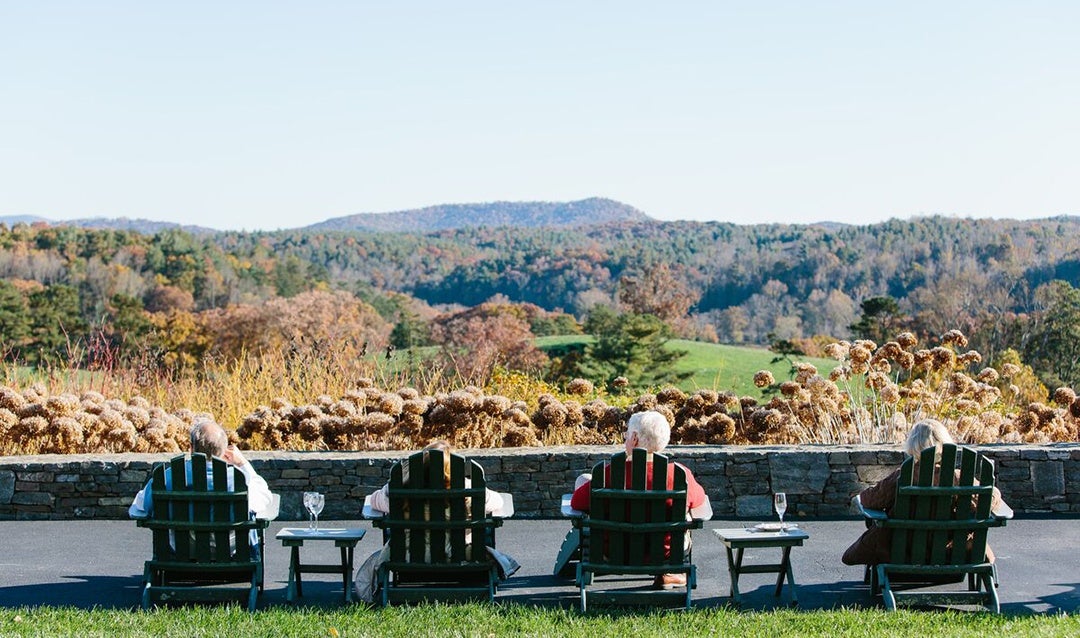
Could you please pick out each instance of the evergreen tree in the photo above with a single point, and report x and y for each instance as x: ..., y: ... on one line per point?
x: 14, y: 317
x: 629, y: 345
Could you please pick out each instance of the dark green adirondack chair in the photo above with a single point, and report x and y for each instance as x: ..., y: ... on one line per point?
x: 939, y: 526
x: 626, y: 529
x: 437, y: 535
x: 201, y: 535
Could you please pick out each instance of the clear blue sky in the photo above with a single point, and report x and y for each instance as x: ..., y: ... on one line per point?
x: 263, y: 115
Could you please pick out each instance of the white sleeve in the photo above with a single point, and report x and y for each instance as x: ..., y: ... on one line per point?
x: 259, y: 497
x: 703, y: 511
x: 138, y: 507
x: 493, y: 501
x: 380, y: 499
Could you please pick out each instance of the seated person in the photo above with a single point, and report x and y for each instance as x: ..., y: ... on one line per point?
x: 650, y: 430
x: 873, y: 546
x: 209, y: 438
x: 365, y: 581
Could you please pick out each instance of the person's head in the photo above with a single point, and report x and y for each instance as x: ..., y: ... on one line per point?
x: 208, y: 438
x: 926, y: 433
x: 649, y: 430
x: 440, y: 445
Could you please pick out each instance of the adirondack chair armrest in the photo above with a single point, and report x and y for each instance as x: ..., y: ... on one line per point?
x: 871, y: 515
x: 696, y: 523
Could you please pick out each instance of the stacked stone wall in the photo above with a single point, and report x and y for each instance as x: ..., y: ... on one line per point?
x: 818, y: 479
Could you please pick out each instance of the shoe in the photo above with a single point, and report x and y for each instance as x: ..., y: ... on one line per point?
x: 669, y: 581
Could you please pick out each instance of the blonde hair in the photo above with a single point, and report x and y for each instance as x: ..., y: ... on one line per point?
x: 652, y: 429
x: 926, y: 433
x: 440, y: 445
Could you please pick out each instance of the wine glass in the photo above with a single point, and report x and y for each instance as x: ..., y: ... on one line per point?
x: 780, y: 503
x: 316, y: 507
x: 309, y: 497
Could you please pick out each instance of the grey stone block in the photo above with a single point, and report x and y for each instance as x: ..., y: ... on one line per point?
x: 753, y: 506
x: 799, y: 473
x: 1048, y: 478
x: 7, y: 485
x: 32, y: 498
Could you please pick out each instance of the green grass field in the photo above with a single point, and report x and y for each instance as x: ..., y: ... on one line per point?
x: 715, y: 366
x: 521, y: 620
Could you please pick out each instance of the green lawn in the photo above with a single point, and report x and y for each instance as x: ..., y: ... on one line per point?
x: 514, y: 619
x: 715, y: 366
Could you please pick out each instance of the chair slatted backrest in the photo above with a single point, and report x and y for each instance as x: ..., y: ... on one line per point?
x: 631, y: 520
x: 431, y: 521
x: 942, y: 509
x: 204, y: 519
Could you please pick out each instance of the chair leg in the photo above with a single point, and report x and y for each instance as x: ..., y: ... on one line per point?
x: 886, y: 589
x: 991, y: 592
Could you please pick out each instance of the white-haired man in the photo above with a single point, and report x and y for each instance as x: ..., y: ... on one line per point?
x: 209, y: 438
x: 650, y: 430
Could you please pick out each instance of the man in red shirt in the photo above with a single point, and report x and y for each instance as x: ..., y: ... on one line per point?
x: 650, y: 430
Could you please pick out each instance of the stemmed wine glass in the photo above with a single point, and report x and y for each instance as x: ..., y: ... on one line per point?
x: 780, y: 503
x: 314, y: 502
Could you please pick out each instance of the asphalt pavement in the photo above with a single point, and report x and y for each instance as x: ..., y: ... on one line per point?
x: 100, y: 564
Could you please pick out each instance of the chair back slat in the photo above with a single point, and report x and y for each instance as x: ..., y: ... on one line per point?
x: 179, y: 512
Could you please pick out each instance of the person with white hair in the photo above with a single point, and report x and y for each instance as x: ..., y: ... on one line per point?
x: 651, y: 430
x: 873, y: 546
x: 209, y: 438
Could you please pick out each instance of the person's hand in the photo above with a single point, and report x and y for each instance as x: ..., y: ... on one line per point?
x: 233, y: 456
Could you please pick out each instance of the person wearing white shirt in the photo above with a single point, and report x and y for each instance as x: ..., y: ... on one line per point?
x: 209, y: 438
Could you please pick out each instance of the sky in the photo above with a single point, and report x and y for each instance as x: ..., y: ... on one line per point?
x: 264, y: 115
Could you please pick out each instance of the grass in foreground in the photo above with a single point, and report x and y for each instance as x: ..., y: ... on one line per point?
x: 511, y: 619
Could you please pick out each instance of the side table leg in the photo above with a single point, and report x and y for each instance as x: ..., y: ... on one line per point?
x: 349, y: 577
x: 346, y: 570
x: 294, y: 575
x: 790, y: 577
x: 734, y: 565
x: 781, y: 573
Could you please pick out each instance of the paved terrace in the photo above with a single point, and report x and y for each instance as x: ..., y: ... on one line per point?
x: 100, y: 563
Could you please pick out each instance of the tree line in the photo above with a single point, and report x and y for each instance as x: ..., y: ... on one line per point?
x: 1007, y: 284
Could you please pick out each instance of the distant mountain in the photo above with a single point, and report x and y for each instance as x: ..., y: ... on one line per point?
x: 586, y: 212
x: 144, y: 226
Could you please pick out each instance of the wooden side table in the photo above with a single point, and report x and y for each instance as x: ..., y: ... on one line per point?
x: 737, y: 540
x: 344, y: 539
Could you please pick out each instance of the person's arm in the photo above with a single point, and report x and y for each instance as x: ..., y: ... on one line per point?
x: 493, y: 501
x: 380, y: 499
x: 697, y: 501
x: 142, y: 505
x: 582, y: 496
x: 259, y: 497
x: 881, y: 496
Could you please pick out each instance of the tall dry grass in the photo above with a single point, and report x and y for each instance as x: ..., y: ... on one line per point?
x: 320, y: 397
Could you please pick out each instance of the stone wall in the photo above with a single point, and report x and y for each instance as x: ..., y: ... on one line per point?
x: 818, y: 479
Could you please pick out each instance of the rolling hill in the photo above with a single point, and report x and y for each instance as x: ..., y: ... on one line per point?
x: 586, y: 212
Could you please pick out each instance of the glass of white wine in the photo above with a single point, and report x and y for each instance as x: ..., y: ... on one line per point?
x: 308, y: 499
x: 316, y: 507
x: 780, y: 503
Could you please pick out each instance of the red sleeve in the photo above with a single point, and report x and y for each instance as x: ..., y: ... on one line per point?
x: 695, y: 494
x: 580, y: 499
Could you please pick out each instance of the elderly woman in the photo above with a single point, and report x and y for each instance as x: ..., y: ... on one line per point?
x: 873, y: 546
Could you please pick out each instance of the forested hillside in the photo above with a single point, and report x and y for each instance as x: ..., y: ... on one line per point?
x: 586, y: 212
x: 731, y: 283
